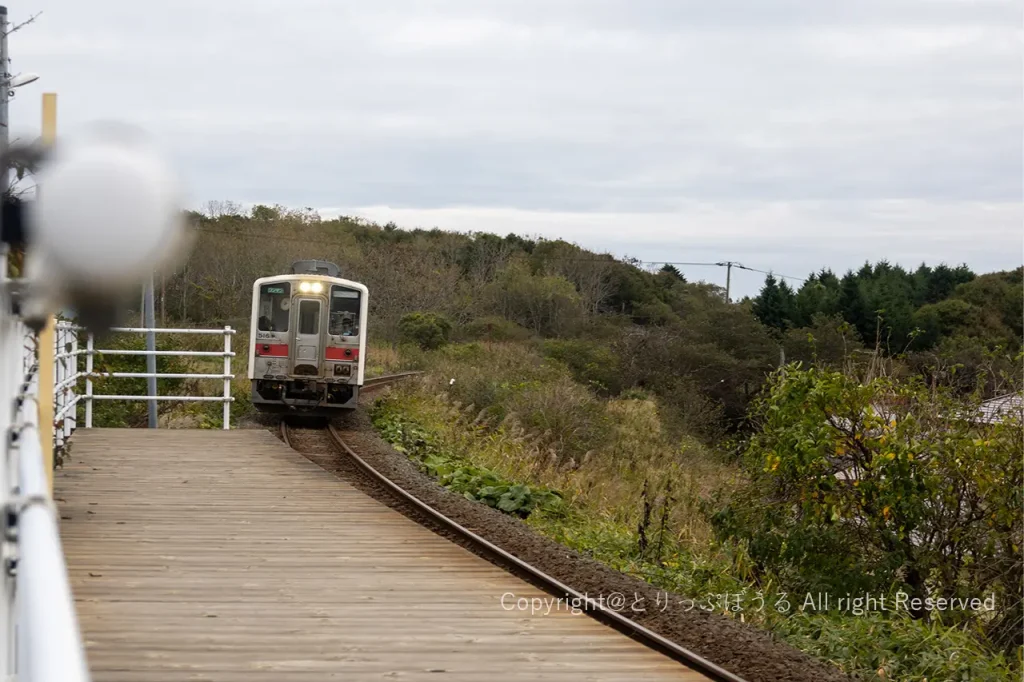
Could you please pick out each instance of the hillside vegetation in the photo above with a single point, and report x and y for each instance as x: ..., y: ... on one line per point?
x: 804, y: 441
x: 617, y: 325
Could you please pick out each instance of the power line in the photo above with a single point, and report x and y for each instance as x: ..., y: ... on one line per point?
x: 675, y: 262
x: 770, y: 272
x: 323, y: 242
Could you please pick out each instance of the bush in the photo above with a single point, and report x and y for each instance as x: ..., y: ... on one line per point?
x: 870, y: 486
x: 495, y: 328
x: 565, y: 415
x: 592, y: 364
x: 427, y: 330
x: 548, y: 305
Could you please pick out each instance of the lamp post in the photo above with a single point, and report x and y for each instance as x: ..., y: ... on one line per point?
x: 5, y: 138
x: 8, y: 83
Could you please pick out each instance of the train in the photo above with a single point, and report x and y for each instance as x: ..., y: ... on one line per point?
x: 307, y: 349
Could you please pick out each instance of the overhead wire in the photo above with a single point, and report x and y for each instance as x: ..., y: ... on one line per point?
x: 324, y: 242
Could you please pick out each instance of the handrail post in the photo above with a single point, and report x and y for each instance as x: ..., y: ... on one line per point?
x: 227, y: 379
x: 88, y: 380
x: 71, y: 424
x: 58, y: 379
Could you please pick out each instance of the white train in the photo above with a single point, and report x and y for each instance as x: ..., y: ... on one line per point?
x: 308, y: 341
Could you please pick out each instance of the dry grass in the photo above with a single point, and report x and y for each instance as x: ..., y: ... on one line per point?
x: 528, y: 420
x: 382, y: 359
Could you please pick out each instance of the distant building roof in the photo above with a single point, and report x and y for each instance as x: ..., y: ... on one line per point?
x: 996, y: 409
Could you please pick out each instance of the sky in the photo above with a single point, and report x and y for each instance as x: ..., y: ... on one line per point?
x: 787, y: 135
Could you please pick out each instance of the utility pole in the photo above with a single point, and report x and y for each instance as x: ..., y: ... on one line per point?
x: 728, y: 279
x: 149, y: 322
x: 728, y: 276
x: 5, y: 134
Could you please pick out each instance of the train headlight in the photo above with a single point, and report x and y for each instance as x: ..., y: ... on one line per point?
x: 317, y: 287
x: 304, y: 287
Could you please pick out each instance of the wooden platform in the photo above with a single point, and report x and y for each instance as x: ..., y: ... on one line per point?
x: 226, y: 556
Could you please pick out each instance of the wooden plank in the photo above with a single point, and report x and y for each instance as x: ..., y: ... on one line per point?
x: 224, y: 556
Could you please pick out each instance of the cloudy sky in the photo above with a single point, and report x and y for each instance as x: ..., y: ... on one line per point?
x: 784, y: 134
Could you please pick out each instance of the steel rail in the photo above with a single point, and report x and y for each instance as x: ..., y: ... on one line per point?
x: 550, y: 584
x: 386, y: 379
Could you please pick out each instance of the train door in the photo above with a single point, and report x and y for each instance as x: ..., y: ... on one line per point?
x: 307, y: 336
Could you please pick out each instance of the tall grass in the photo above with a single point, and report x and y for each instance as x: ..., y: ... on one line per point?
x: 526, y: 417
x: 635, y: 498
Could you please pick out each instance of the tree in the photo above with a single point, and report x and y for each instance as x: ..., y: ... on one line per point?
x: 774, y: 305
x: 854, y: 309
x: 936, y: 284
x: 889, y: 297
x: 588, y: 273
x: 427, y: 330
x: 819, y: 295
x: 827, y: 341
x: 946, y: 318
x: 673, y: 272
x: 1001, y: 294
x: 265, y: 214
x: 548, y: 305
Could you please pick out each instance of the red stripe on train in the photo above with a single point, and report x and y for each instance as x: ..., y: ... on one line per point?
x: 272, y: 350
x: 342, y: 354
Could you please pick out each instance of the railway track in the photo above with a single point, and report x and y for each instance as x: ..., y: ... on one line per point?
x: 377, y: 382
x: 324, y: 444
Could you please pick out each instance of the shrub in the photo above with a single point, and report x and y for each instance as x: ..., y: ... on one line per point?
x: 548, y: 305
x: 495, y: 328
x: 866, y: 486
x: 565, y: 415
x: 592, y: 364
x: 427, y: 330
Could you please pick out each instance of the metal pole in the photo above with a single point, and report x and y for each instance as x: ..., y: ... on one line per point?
x: 227, y: 380
x: 88, y: 380
x: 5, y: 134
x: 11, y: 375
x: 71, y: 420
x: 150, y: 323
x: 58, y: 377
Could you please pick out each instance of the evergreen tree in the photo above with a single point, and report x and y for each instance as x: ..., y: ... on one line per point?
x: 774, y: 305
x: 672, y: 270
x: 853, y: 307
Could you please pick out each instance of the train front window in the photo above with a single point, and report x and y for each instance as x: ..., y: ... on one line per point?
x: 274, y: 303
x: 344, y: 312
x: 309, y: 317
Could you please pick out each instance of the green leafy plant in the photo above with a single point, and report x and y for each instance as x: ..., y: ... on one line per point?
x: 427, y: 330
x: 473, y: 482
x: 866, y: 486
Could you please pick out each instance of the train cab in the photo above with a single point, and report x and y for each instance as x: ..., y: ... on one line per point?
x: 308, y: 341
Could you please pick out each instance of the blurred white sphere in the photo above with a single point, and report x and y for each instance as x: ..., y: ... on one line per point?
x: 107, y: 208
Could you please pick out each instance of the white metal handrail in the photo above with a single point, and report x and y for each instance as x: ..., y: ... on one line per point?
x: 45, y: 607
x: 40, y: 640
x: 226, y: 376
x: 65, y: 376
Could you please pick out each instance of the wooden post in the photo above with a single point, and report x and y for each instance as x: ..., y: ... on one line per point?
x: 47, y: 340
